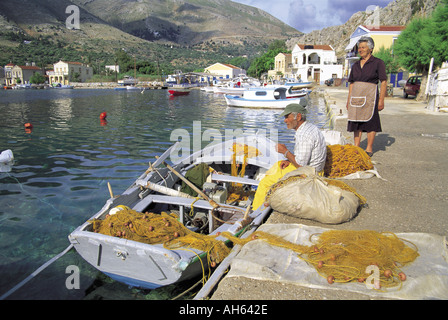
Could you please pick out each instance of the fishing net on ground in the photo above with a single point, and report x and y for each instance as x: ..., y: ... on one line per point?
x: 164, y: 228
x: 343, y: 160
x: 345, y: 255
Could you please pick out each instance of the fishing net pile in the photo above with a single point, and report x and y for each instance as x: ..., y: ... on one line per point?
x: 348, y: 256
x: 343, y: 160
x: 152, y: 228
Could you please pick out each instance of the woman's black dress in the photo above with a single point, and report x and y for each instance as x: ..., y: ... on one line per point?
x: 373, y: 71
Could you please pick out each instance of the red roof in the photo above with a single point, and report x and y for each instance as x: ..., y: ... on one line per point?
x: 29, y: 68
x: 385, y: 28
x: 316, y: 46
x: 229, y: 65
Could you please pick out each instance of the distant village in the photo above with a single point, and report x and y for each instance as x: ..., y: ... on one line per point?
x: 306, y: 62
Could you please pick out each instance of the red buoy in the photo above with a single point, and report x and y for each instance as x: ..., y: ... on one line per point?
x: 28, y: 127
x: 103, y: 116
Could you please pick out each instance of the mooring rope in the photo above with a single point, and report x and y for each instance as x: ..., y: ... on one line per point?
x: 35, y: 273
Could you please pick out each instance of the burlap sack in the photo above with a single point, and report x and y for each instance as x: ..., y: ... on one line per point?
x: 310, y: 197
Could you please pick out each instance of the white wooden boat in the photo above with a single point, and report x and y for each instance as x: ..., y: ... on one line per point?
x: 272, y: 98
x: 237, y: 86
x: 153, y: 265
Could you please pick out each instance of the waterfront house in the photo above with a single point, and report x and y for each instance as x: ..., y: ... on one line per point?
x: 383, y: 36
x: 315, y: 63
x: 15, y: 74
x: 8, y: 74
x: 283, y: 67
x: 65, y: 72
x: 224, y: 71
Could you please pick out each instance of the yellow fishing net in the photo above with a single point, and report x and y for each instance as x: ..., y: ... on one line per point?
x: 152, y: 228
x: 344, y: 255
x: 343, y: 160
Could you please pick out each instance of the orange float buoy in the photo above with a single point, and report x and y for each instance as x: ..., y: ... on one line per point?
x: 28, y: 127
x: 103, y: 116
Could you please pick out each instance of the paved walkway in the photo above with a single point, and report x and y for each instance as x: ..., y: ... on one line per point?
x: 411, y: 154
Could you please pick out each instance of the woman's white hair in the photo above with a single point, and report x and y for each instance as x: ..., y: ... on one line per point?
x: 370, y: 42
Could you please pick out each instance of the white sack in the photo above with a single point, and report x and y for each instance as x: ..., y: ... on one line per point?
x: 312, y: 198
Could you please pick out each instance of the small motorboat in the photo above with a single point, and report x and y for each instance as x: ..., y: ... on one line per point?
x: 222, y: 204
x: 179, y: 91
x: 267, y: 97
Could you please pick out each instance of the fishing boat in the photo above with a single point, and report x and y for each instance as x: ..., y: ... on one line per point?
x: 62, y: 86
x: 179, y: 91
x: 216, y: 209
x: 237, y: 86
x: 270, y: 97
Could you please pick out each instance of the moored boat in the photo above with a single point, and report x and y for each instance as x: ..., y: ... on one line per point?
x: 225, y: 207
x: 271, y: 97
x: 179, y: 91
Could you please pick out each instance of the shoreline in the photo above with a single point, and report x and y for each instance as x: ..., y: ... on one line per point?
x: 410, y: 155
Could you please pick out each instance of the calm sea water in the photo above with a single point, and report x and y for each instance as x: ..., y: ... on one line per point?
x: 61, y: 170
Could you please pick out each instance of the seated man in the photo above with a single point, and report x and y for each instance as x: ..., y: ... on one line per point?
x: 310, y: 150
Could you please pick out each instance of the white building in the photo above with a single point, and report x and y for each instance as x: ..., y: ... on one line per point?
x: 66, y: 72
x: 224, y: 71
x: 315, y: 63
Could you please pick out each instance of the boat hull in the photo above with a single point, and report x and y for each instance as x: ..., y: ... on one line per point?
x: 236, y: 101
x: 179, y: 92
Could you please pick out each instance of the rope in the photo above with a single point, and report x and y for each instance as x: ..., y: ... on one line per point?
x: 35, y: 273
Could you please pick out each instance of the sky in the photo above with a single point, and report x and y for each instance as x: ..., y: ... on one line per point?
x: 309, y: 15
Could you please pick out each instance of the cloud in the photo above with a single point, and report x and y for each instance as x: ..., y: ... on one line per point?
x: 302, y: 16
x: 344, y: 9
x: 309, y: 15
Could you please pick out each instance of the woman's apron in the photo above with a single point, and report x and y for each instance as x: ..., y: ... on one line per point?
x: 362, y: 101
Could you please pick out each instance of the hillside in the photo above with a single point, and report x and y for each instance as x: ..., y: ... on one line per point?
x: 176, y: 32
x: 188, y: 22
x: 399, y: 12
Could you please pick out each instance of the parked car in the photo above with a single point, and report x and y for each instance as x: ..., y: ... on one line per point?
x: 329, y: 82
x: 412, y: 86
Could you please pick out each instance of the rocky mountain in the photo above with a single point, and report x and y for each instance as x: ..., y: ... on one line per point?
x: 398, y: 12
x: 184, y: 22
x: 188, y: 21
x: 177, y: 32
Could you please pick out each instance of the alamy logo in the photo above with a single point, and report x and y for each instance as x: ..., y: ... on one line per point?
x: 73, y: 280
x: 73, y: 21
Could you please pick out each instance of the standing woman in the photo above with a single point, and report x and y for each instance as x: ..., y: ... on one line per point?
x: 364, y: 102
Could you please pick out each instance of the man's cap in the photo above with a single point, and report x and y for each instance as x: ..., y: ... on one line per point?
x: 295, y: 107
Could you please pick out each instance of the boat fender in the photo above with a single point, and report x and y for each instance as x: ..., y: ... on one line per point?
x: 6, y: 161
x: 103, y: 116
x: 6, y: 157
x: 117, y: 209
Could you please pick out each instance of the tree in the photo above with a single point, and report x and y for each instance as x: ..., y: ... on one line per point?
x: 37, y: 78
x: 423, y: 39
x: 411, y: 46
x: 392, y: 65
x: 266, y: 62
x: 438, y: 33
